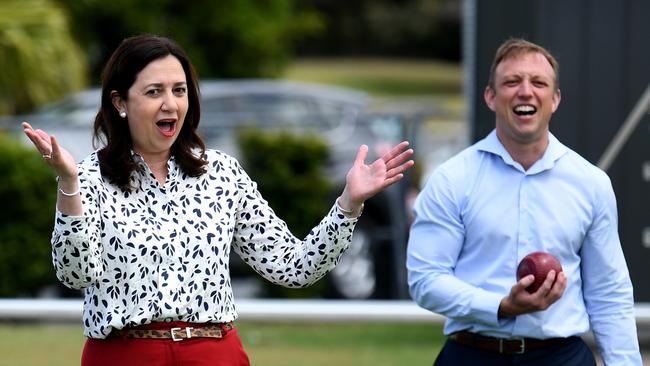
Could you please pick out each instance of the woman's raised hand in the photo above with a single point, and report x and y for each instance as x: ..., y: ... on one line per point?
x: 54, y: 155
x: 364, y: 181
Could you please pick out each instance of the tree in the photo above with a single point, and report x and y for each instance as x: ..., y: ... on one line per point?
x: 39, y: 59
x: 224, y: 39
x: 402, y: 28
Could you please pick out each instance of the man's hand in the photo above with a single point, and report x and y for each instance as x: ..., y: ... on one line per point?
x: 519, y: 301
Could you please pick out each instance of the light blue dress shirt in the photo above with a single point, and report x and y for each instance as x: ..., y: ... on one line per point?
x: 480, y: 213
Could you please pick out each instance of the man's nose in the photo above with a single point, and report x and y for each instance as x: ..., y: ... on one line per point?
x: 525, y: 89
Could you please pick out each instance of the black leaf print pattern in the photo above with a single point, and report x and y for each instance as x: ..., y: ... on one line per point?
x: 161, y: 253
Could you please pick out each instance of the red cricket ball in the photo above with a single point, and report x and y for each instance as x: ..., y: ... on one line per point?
x: 538, y: 264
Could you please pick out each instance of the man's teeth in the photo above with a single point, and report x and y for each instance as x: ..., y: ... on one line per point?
x: 525, y: 109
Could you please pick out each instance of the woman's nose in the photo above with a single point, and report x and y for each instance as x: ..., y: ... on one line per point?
x: 168, y: 102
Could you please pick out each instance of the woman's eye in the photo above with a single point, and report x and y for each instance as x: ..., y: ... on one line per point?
x: 152, y: 92
x: 180, y: 90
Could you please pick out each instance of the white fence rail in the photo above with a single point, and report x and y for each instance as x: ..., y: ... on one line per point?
x: 266, y: 309
x: 259, y: 309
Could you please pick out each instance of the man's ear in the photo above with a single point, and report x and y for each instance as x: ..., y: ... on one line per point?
x: 489, y: 95
x: 557, y: 96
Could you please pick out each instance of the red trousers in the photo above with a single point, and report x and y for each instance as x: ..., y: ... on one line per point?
x: 226, y: 351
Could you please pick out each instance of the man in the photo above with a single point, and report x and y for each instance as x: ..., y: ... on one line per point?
x: 517, y: 191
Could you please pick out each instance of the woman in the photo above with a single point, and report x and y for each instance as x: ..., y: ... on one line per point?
x: 145, y: 225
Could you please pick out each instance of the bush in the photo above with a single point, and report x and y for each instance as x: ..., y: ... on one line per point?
x: 28, y: 197
x: 289, y: 172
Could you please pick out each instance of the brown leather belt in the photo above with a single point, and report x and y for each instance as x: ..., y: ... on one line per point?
x: 177, y: 333
x: 505, y: 346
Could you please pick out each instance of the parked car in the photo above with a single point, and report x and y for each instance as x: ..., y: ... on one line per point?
x: 373, y: 267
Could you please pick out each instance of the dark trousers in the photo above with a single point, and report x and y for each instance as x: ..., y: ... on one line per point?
x: 573, y: 353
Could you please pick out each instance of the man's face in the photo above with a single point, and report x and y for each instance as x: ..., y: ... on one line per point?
x: 523, y: 99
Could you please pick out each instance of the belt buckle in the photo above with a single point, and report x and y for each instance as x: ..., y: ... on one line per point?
x: 188, y: 333
x: 522, y: 345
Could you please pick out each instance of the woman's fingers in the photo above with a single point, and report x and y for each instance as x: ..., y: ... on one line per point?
x: 400, y: 168
x: 397, y: 155
x: 400, y: 160
x: 362, y: 153
x: 395, y: 151
x: 54, y: 155
x: 56, y: 149
x: 39, y: 138
x: 43, y: 135
x: 44, y: 143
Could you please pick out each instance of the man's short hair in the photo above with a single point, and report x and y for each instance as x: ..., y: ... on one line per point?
x: 516, y: 46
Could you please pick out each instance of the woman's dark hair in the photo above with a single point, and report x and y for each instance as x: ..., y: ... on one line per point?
x: 133, y: 55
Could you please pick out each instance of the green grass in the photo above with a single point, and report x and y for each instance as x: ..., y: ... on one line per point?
x: 382, y: 77
x: 43, y: 345
x: 353, y: 344
x: 267, y: 344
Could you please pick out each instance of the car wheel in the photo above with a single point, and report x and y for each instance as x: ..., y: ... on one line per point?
x: 354, y: 277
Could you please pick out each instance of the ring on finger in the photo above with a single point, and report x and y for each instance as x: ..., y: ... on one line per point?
x: 47, y: 156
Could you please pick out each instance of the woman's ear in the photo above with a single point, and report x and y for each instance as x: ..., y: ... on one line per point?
x: 118, y: 102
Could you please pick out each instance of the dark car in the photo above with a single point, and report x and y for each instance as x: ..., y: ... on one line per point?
x: 373, y: 266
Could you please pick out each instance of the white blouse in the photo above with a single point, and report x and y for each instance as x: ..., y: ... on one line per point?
x: 161, y: 253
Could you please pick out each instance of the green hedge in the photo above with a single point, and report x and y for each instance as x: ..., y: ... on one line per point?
x: 28, y: 194
x: 289, y: 171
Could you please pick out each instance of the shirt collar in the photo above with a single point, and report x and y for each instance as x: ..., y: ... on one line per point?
x: 554, y: 151
x: 138, y: 158
x: 172, y: 167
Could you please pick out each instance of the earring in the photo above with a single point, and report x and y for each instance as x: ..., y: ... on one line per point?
x: 123, y: 114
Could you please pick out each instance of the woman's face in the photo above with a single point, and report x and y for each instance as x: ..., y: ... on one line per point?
x: 156, y: 106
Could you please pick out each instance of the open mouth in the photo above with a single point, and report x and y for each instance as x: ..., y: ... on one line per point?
x: 524, y: 110
x: 167, y: 127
